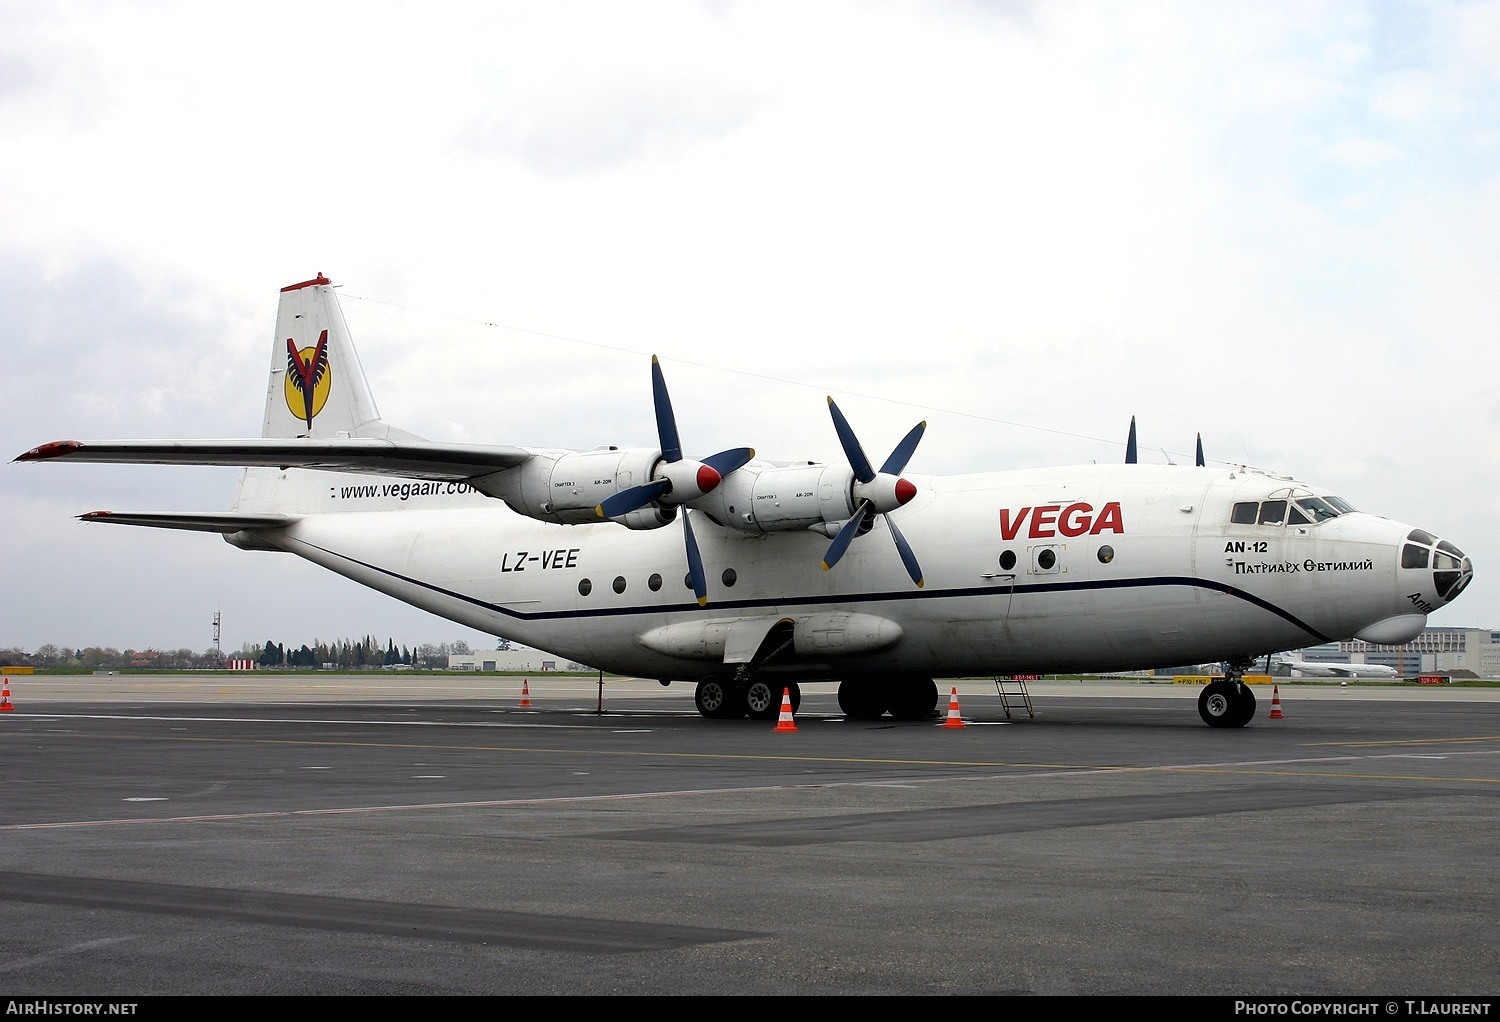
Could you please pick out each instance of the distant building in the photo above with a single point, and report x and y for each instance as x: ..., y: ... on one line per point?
x: 519, y: 659
x: 1474, y: 651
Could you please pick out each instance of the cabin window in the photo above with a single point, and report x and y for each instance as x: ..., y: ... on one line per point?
x: 1245, y: 512
x: 687, y: 581
x: 1046, y: 559
x: 1007, y: 560
x: 585, y: 587
x: 1413, y: 556
x: 1106, y: 554
x: 619, y: 583
x: 1273, y: 512
x: 654, y: 583
x: 729, y: 577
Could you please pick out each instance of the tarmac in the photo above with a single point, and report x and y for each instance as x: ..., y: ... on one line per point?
x: 394, y: 833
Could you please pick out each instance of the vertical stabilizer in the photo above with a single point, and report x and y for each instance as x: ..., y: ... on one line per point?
x: 317, y: 386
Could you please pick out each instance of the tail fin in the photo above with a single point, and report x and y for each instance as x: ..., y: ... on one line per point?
x: 317, y: 385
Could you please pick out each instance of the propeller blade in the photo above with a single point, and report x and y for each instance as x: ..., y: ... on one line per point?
x: 695, y: 561
x: 626, y: 501
x: 846, y: 535
x: 855, y: 453
x: 726, y: 462
x: 904, y: 450
x: 907, y: 557
x: 1200, y: 461
x: 666, y: 422
x: 1130, y: 444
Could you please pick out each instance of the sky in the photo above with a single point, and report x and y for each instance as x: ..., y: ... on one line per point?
x: 1275, y: 224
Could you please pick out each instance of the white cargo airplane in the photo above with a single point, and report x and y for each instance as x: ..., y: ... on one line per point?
x: 1312, y: 669
x: 1095, y: 568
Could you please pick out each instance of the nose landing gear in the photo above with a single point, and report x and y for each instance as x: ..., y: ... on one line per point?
x: 1228, y: 702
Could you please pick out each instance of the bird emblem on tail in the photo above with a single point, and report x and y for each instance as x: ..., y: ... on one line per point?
x: 307, y: 379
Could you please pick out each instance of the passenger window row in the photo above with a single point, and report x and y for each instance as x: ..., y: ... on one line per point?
x: 654, y: 583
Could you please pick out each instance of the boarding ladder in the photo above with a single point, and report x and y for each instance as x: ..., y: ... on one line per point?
x: 1013, y: 694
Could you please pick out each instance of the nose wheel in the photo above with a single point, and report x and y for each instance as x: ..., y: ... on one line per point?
x: 1228, y: 702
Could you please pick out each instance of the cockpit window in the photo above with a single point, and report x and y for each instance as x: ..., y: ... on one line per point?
x: 1273, y: 512
x: 1245, y: 512
x: 1418, y: 536
x: 1296, y: 517
x: 1318, y: 509
x: 1413, y: 556
x: 1343, y: 506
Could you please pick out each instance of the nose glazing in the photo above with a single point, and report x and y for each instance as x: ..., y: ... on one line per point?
x: 1452, y: 571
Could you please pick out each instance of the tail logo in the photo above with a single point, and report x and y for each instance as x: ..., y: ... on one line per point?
x: 307, y: 379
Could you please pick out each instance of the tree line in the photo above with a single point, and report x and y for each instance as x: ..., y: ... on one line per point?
x: 346, y: 653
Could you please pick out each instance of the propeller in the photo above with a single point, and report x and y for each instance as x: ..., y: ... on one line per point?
x: 677, y: 480
x: 877, y: 492
x: 1200, y: 462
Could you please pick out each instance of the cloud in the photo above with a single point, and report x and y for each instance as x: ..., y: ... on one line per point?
x: 564, y: 132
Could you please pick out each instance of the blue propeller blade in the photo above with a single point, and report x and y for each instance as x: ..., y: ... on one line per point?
x: 726, y: 462
x: 695, y: 561
x: 846, y: 535
x: 1130, y: 444
x: 907, y: 557
x: 903, y: 452
x: 855, y: 453
x: 1201, y: 462
x: 666, y: 422
x: 626, y: 501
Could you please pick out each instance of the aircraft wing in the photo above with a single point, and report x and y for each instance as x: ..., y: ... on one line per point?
x: 195, y: 521
x: 418, y: 459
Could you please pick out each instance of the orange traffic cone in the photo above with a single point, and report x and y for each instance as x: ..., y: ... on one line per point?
x: 954, y: 720
x: 525, y: 693
x: 786, y: 723
x: 1276, y: 713
x: 5, y: 706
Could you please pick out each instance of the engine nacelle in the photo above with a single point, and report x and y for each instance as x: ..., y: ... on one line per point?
x: 568, y: 486
x: 761, y: 497
x: 648, y: 517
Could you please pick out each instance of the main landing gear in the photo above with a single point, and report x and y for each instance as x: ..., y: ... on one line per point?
x: 723, y: 698
x: 1229, y: 701
x: 905, y: 697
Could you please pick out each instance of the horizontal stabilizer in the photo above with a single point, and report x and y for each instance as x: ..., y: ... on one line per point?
x: 418, y: 459
x: 194, y: 521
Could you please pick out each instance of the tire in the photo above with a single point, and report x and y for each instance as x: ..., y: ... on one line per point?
x: 795, y: 691
x: 717, y: 699
x: 1245, y: 710
x: 863, y: 698
x: 762, y: 700
x: 1225, y: 704
x: 913, y: 698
